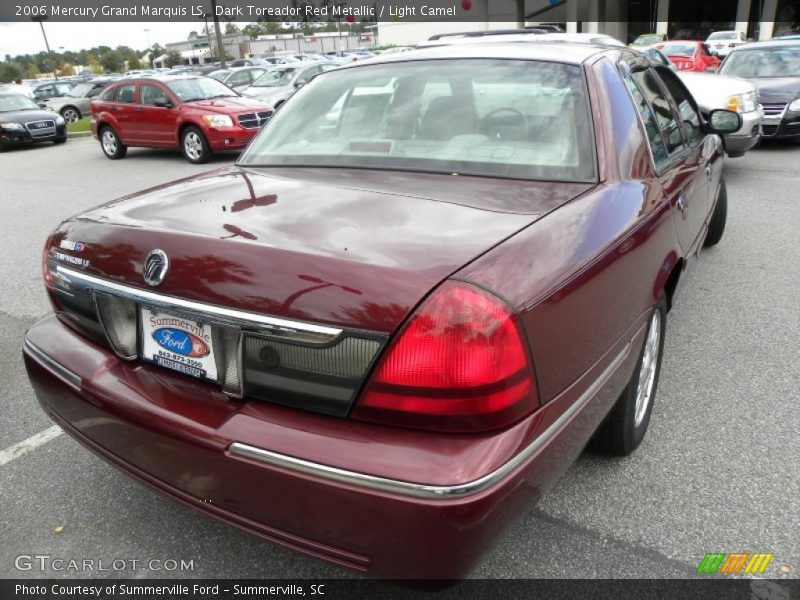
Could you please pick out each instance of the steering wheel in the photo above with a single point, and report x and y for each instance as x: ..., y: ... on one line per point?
x: 516, y: 129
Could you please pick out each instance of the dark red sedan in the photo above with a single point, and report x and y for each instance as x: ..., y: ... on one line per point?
x: 199, y: 115
x: 424, y: 288
x: 689, y: 56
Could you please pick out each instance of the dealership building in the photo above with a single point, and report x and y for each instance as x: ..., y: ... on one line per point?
x: 622, y: 19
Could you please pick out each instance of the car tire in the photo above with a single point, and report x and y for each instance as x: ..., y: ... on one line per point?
x: 109, y: 142
x: 194, y: 146
x: 626, y: 425
x: 717, y: 225
x: 60, y: 140
x: 70, y: 114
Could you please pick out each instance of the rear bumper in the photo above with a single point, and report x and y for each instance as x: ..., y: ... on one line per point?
x: 258, y: 467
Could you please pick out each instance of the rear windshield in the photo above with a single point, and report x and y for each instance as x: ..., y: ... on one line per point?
x: 506, y: 118
x: 678, y: 49
x: 763, y: 62
x: 724, y: 35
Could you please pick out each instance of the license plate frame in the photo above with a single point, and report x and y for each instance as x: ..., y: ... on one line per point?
x: 178, y: 343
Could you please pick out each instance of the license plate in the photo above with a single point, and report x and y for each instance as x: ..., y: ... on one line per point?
x: 177, y: 343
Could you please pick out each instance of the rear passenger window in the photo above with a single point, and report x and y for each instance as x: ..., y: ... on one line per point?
x: 125, y: 94
x: 689, y: 116
x: 240, y: 78
x: 665, y: 117
x: 654, y: 138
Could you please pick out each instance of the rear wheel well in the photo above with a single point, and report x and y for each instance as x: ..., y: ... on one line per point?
x: 671, y: 284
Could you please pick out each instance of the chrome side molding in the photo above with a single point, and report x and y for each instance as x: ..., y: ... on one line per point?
x: 420, y: 490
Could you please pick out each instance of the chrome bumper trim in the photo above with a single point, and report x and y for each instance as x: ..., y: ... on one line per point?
x: 285, y: 328
x: 73, y: 379
x: 420, y: 490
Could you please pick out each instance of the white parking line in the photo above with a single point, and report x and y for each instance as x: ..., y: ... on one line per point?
x: 33, y: 442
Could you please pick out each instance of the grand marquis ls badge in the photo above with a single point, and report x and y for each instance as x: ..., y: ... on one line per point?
x: 155, y: 269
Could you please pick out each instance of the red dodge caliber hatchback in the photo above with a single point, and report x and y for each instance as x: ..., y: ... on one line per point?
x: 425, y: 287
x: 689, y: 56
x: 199, y: 115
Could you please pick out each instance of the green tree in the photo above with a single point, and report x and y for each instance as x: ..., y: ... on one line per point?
x: 133, y: 62
x: 193, y: 35
x: 94, y: 64
x: 173, y: 59
x: 231, y: 28
x: 111, y: 61
x: 32, y: 71
x: 9, y: 71
x: 252, y: 30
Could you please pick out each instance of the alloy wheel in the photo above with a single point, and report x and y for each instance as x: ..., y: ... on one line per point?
x: 647, y: 372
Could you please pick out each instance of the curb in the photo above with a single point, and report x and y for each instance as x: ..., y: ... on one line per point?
x: 79, y: 134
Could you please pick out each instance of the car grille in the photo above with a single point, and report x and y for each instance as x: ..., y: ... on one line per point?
x: 254, y: 120
x: 768, y: 130
x: 41, y: 129
x: 773, y: 110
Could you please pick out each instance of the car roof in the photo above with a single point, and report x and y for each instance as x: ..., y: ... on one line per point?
x: 774, y: 43
x: 529, y: 48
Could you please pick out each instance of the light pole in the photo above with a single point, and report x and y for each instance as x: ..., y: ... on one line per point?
x: 208, y: 33
x: 220, y: 46
x: 41, y: 20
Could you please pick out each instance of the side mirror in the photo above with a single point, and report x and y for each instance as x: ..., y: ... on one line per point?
x: 162, y: 103
x: 724, y: 121
x: 299, y: 84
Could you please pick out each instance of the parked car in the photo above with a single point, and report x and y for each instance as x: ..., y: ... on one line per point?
x: 689, y: 55
x: 283, y: 59
x: 23, y: 122
x: 21, y: 89
x: 649, y: 39
x: 712, y: 91
x: 722, y: 42
x: 238, y: 78
x: 199, y: 115
x: 578, y: 38
x: 248, y: 62
x: 376, y: 340
x: 74, y: 105
x: 774, y: 68
x: 51, y: 89
x: 276, y: 85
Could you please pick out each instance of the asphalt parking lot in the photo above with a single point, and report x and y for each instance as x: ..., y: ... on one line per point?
x: 718, y: 471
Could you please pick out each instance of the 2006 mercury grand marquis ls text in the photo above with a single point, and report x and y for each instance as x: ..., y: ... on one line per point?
x: 426, y: 285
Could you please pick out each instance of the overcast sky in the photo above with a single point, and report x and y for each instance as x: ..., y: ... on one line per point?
x: 26, y: 38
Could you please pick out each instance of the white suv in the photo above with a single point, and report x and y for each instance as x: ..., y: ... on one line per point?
x: 723, y: 42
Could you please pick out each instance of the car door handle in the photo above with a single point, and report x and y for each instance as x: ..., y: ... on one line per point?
x: 708, y: 170
x: 683, y: 205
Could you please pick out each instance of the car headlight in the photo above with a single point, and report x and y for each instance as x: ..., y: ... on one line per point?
x: 742, y: 102
x: 60, y: 120
x: 218, y: 120
x: 12, y: 127
x: 795, y: 106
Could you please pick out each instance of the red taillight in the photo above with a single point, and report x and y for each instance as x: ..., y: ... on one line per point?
x: 47, y: 276
x: 459, y: 364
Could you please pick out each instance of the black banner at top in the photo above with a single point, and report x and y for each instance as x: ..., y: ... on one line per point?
x: 375, y: 11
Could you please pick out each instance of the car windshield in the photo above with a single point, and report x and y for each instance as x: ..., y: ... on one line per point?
x: 275, y: 78
x: 500, y: 118
x: 16, y: 102
x: 678, y: 49
x: 723, y: 35
x: 763, y: 62
x: 199, y: 88
x: 649, y: 39
x: 79, y: 91
x: 220, y: 75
